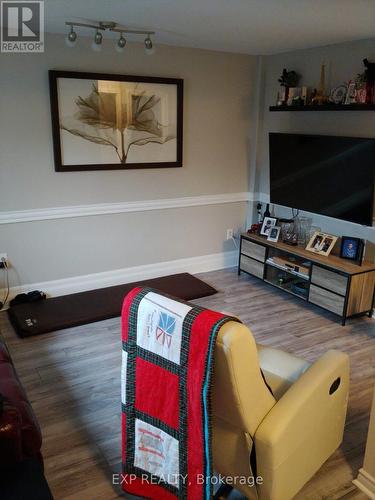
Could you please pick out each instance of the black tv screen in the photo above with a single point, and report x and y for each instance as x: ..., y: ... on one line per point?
x: 327, y: 175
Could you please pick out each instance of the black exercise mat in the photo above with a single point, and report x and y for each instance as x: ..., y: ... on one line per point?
x: 96, y: 305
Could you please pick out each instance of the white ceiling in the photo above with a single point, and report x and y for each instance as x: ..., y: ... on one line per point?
x: 244, y: 26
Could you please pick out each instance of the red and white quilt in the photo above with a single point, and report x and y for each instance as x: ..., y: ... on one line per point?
x: 167, y: 361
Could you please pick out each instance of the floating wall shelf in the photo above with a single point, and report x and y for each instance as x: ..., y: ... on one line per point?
x: 326, y: 107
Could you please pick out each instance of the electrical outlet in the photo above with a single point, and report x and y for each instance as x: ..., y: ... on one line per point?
x: 229, y: 234
x: 3, y: 257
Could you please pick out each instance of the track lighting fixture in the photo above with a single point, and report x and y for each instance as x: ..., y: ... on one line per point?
x: 71, y: 37
x: 101, y: 26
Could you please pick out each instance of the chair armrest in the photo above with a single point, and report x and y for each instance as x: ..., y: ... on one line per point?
x: 281, y: 363
x: 304, y: 427
x: 281, y: 369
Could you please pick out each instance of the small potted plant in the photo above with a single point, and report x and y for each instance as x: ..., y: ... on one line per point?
x: 287, y: 80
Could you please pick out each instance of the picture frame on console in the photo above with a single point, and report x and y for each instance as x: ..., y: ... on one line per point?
x: 274, y: 234
x: 267, y: 224
x: 321, y: 243
x: 102, y: 121
x: 352, y: 249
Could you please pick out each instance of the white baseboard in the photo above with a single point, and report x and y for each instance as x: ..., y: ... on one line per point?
x: 200, y: 264
x: 366, y: 483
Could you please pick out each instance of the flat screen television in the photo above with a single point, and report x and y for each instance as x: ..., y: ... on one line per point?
x: 327, y: 175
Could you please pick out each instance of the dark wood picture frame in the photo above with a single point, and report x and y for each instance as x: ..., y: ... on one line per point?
x: 358, y: 256
x: 56, y: 125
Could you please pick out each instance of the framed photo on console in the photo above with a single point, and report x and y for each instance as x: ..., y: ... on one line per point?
x: 274, y: 234
x: 352, y: 249
x: 267, y: 224
x: 115, y: 122
x: 321, y: 243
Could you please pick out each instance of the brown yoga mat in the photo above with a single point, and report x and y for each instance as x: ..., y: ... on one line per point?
x: 96, y: 305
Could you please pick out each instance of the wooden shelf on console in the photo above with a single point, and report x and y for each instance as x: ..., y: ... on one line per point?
x: 326, y: 107
x: 332, y: 261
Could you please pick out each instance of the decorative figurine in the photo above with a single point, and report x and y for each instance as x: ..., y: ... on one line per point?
x: 320, y: 97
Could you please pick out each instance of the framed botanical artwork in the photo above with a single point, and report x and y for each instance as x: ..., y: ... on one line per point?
x: 115, y: 122
x: 351, y: 249
x: 321, y: 243
x: 268, y: 223
x: 274, y: 234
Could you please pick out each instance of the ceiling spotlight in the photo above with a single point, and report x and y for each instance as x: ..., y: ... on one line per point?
x: 120, y: 46
x: 149, y: 49
x: 97, y: 42
x: 71, y: 38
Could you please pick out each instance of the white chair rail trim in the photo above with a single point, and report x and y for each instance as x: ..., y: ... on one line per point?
x: 40, y: 214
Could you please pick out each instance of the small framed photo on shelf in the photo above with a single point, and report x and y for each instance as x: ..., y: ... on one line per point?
x: 321, y: 243
x: 267, y: 225
x: 352, y: 249
x: 338, y: 94
x: 274, y: 234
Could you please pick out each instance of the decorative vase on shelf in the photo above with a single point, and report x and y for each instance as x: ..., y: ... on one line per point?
x: 286, y: 96
x: 303, y: 230
x: 288, y: 233
x: 282, y: 96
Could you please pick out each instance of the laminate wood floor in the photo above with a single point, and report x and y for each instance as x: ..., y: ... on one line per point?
x: 72, y: 379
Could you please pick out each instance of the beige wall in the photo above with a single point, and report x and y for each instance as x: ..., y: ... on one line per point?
x: 343, y: 62
x: 83, y: 245
x: 219, y: 89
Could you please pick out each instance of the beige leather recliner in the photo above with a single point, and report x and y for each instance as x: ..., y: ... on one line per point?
x: 294, y: 430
